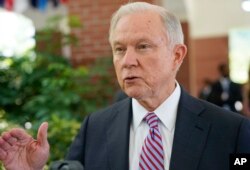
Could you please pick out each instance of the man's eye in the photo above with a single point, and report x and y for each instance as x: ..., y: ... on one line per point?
x: 143, y: 46
x: 119, y: 50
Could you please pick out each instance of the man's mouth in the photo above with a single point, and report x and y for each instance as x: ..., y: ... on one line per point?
x: 130, y: 79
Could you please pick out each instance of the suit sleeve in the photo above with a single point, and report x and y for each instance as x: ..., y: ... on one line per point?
x: 244, y: 137
x: 77, y: 148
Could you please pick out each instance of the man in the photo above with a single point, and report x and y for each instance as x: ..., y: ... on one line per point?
x: 181, y: 132
x: 225, y: 93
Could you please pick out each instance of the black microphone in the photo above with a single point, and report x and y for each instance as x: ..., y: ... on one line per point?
x: 66, y: 165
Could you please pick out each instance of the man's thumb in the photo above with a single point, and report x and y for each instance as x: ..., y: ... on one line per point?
x: 42, y: 134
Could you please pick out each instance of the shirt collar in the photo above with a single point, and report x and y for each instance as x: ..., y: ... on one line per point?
x: 166, y: 112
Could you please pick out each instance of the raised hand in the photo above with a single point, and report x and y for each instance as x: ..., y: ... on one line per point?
x: 18, y: 150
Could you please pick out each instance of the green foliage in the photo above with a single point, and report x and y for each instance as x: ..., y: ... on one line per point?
x: 42, y: 86
x: 48, y: 88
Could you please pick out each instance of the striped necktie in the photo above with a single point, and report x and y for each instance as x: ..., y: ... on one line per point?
x: 152, y: 155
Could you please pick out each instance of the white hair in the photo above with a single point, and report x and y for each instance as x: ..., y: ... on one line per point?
x: 172, y: 24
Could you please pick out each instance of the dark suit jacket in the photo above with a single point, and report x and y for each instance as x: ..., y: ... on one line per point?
x: 204, y: 137
x: 234, y: 95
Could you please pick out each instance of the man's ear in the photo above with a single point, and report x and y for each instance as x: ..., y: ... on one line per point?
x: 180, y: 51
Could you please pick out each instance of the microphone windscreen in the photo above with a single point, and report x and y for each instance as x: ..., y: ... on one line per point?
x: 66, y: 165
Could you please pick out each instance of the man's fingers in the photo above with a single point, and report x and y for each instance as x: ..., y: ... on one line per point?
x: 4, y: 145
x: 8, y: 138
x: 20, y: 134
x: 42, y: 134
x: 2, y: 154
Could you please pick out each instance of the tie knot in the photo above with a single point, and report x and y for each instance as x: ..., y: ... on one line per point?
x: 152, y: 120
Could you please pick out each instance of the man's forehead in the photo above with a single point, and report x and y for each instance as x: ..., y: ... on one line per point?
x: 138, y: 34
x: 146, y: 17
x: 137, y: 24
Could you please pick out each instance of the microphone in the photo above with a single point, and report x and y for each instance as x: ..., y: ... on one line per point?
x: 66, y: 165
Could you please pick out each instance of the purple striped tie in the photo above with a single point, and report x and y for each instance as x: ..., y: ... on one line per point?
x: 152, y: 155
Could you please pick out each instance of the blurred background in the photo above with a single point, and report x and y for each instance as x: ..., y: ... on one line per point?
x: 56, y: 62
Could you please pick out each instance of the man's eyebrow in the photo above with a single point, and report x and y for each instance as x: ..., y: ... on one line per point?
x: 117, y: 43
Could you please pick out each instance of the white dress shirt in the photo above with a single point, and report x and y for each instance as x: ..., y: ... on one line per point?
x: 139, y: 129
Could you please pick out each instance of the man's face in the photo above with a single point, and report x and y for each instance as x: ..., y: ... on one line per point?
x: 144, y: 62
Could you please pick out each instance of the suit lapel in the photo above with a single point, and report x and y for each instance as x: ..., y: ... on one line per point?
x: 191, y: 132
x: 118, y: 136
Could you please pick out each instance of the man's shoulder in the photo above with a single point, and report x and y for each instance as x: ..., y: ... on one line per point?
x: 212, y: 112
x: 113, y: 109
x: 222, y: 117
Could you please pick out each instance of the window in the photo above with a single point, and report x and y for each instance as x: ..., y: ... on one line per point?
x: 239, y: 54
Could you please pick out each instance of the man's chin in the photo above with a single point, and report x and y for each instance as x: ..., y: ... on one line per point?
x: 133, y: 93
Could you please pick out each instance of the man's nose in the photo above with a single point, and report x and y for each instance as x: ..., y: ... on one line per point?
x: 130, y: 58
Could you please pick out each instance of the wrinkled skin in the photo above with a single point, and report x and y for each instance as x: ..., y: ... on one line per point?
x: 18, y: 150
x: 145, y: 62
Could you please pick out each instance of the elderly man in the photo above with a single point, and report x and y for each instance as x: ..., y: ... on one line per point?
x: 159, y: 126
